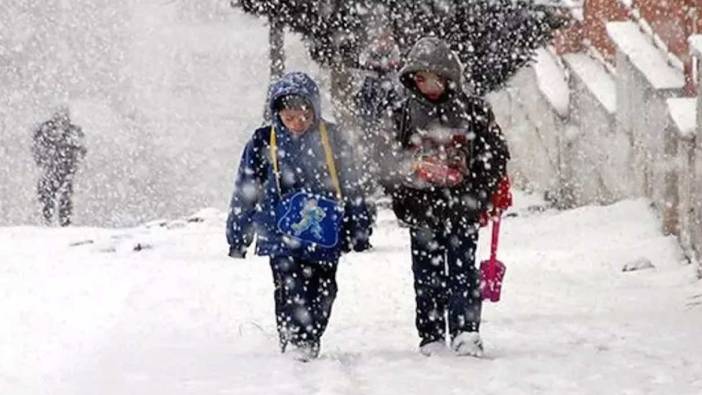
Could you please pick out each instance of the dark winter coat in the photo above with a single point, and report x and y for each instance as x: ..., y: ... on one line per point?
x: 486, y: 151
x: 375, y: 101
x: 379, y: 90
x: 303, y: 168
x: 378, y: 93
x: 58, y: 147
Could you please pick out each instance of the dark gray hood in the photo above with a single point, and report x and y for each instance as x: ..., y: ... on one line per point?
x: 432, y: 54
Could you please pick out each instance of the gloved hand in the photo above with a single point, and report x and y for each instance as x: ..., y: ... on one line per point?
x: 502, y: 198
x: 236, y: 252
x: 500, y: 201
x: 361, y: 246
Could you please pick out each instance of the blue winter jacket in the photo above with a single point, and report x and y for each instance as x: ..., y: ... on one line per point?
x: 302, y: 165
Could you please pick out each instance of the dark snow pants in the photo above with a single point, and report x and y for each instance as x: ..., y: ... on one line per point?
x: 56, y: 191
x: 304, y: 295
x: 446, y: 280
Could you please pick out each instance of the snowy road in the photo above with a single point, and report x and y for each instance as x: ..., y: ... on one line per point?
x: 179, y: 317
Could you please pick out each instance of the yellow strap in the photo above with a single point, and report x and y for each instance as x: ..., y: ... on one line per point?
x: 328, y: 153
x: 274, y: 157
x: 330, y: 159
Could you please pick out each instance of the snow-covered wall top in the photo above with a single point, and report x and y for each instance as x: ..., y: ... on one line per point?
x: 683, y: 112
x: 593, y: 74
x: 644, y: 56
x: 552, y: 81
x: 696, y: 45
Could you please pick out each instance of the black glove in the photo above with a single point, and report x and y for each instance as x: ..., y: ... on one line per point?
x: 362, y: 245
x: 237, y: 252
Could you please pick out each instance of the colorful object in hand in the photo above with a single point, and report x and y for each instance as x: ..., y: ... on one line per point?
x: 435, y: 172
x: 441, y: 160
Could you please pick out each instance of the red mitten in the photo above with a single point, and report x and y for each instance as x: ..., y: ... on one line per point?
x: 502, y: 198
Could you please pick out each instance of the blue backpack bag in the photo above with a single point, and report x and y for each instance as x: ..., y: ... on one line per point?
x: 310, y: 223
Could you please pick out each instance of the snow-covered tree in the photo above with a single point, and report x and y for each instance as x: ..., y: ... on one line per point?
x: 493, y: 38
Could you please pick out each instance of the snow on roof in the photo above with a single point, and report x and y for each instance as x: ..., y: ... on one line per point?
x: 552, y: 81
x: 644, y: 55
x: 597, y: 80
x: 696, y: 45
x: 683, y: 111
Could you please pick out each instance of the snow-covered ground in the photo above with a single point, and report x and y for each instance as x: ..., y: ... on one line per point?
x: 161, y: 309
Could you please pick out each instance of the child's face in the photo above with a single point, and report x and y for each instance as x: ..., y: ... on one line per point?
x: 297, y: 120
x: 430, y: 85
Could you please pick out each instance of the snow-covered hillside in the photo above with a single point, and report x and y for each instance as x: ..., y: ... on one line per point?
x: 161, y: 309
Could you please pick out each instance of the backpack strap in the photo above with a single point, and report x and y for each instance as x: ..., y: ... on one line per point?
x: 328, y: 154
x: 403, y: 125
x: 274, y: 158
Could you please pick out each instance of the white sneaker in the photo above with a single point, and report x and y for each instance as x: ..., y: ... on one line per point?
x: 302, y: 353
x: 436, y: 347
x: 468, y: 344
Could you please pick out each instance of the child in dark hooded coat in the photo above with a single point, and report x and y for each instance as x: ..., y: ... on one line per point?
x: 450, y: 157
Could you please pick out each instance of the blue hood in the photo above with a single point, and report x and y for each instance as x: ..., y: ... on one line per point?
x: 296, y: 83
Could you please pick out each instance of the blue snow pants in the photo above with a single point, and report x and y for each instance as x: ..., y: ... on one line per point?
x: 304, y: 294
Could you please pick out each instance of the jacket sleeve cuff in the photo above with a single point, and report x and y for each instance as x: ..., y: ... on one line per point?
x: 362, y: 246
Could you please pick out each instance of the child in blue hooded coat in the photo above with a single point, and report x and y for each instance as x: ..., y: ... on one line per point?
x: 297, y: 190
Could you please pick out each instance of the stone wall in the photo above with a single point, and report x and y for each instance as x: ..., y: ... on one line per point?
x: 626, y: 134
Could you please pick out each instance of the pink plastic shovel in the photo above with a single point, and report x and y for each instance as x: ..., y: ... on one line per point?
x: 492, y: 271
